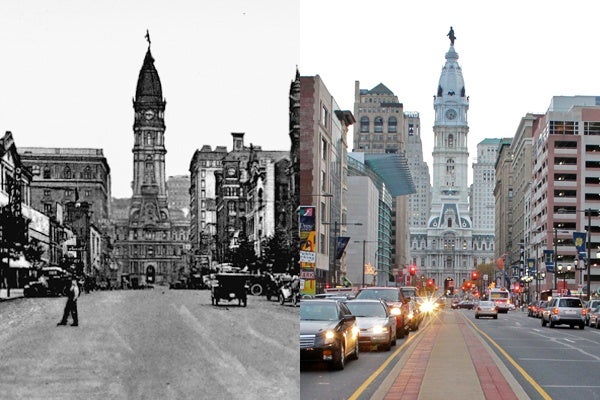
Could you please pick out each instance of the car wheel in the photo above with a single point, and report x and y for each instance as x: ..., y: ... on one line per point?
x: 543, y: 322
x: 400, y: 332
x: 387, y: 346
x: 393, y: 340
x: 294, y: 300
x: 281, y: 299
x: 551, y: 323
x: 476, y: 316
x: 340, y: 360
x: 256, y: 289
x: 355, y: 353
x: 581, y: 326
x: 597, y: 326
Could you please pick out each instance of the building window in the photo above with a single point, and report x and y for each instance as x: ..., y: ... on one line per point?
x: 392, y: 125
x: 46, y: 192
x: 203, y: 173
x: 364, y: 124
x: 323, y: 149
x: 378, y: 124
x: 87, y: 173
x: 48, y: 209
x: 450, y: 140
x: 67, y: 173
x: 46, y: 172
x: 324, y: 116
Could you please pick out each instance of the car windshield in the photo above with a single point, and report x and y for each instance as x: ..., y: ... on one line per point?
x: 385, y: 294
x: 569, y: 303
x: 361, y: 309
x: 318, y: 311
x: 486, y: 304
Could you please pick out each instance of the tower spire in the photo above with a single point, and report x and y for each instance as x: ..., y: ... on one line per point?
x: 148, y: 38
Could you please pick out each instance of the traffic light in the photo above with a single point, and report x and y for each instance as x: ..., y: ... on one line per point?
x: 412, y: 270
x: 474, y: 275
x: 430, y: 282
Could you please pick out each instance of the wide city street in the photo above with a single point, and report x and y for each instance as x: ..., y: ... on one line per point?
x: 547, y: 363
x: 149, y: 344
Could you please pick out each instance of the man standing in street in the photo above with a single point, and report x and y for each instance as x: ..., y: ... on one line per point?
x: 71, y: 306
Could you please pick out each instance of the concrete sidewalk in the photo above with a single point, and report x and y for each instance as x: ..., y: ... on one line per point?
x: 14, y: 294
x: 449, y: 361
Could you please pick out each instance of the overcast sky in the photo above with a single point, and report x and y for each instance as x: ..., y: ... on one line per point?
x: 69, y: 71
x: 515, y: 55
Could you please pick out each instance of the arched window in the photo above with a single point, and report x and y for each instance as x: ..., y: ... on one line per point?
x: 450, y: 140
x: 87, y: 173
x: 46, y: 172
x: 67, y: 173
x: 450, y: 166
x: 392, y: 125
x: 378, y: 124
x: 364, y: 124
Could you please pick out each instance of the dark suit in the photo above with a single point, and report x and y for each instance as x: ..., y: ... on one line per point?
x: 71, y: 306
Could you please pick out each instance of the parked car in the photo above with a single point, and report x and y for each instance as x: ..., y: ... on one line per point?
x: 486, y: 309
x: 564, y: 311
x: 589, y: 307
x: 532, y: 308
x: 328, y: 332
x: 52, y: 281
x: 594, y: 317
x: 377, y: 325
x: 540, y: 308
x: 395, y: 300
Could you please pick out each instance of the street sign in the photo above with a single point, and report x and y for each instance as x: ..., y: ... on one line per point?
x: 307, y: 256
x: 307, y: 274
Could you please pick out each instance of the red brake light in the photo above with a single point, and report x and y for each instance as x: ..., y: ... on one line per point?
x: 555, y: 310
x: 583, y: 312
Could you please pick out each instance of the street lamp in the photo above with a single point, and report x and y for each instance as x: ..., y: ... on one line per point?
x: 564, y: 273
x: 588, y: 211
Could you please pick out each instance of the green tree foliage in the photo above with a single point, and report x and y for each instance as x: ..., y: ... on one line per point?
x: 278, y: 253
x: 244, y: 255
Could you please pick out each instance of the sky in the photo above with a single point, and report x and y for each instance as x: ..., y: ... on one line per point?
x: 70, y: 67
x: 515, y: 55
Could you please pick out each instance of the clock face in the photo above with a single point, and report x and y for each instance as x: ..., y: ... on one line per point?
x: 149, y: 114
x: 451, y: 114
x: 231, y: 172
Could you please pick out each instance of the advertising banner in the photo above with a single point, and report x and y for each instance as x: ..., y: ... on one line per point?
x: 579, y: 239
x: 340, y: 247
x: 308, y: 248
x: 549, y: 260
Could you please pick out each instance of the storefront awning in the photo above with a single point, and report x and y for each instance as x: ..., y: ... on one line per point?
x: 20, y: 263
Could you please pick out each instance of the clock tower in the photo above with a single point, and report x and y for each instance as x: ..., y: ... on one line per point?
x: 149, y: 201
x: 443, y: 250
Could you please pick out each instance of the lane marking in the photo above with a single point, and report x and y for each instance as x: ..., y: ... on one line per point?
x: 412, y: 336
x: 518, y: 367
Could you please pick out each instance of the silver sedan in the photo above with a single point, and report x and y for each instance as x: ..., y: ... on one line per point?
x: 486, y: 309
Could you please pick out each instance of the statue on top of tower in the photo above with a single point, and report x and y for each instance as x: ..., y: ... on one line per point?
x: 451, y: 36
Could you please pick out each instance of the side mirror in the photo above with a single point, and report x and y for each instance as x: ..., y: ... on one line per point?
x: 349, y: 317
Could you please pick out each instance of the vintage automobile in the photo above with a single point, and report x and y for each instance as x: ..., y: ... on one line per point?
x: 52, y: 281
x: 229, y: 287
x: 328, y: 332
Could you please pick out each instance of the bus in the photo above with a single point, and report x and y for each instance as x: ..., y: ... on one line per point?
x: 501, y: 297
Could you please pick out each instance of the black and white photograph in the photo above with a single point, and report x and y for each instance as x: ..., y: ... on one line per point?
x: 148, y: 194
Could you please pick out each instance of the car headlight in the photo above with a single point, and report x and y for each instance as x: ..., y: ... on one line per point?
x: 378, y: 329
x: 328, y: 337
x: 355, y: 330
x: 410, y: 315
x: 395, y: 311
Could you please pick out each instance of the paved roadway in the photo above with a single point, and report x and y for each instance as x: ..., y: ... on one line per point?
x: 149, y: 344
x: 549, y: 363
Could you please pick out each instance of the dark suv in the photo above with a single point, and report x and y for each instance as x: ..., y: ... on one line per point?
x: 398, y: 304
x: 564, y: 311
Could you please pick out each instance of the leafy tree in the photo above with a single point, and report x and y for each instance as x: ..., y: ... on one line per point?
x: 278, y: 253
x: 244, y: 255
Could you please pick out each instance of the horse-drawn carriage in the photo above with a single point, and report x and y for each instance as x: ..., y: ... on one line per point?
x: 229, y: 286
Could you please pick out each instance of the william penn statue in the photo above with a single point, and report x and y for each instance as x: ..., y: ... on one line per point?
x: 451, y: 36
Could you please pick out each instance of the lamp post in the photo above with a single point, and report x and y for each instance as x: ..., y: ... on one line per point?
x: 564, y: 273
